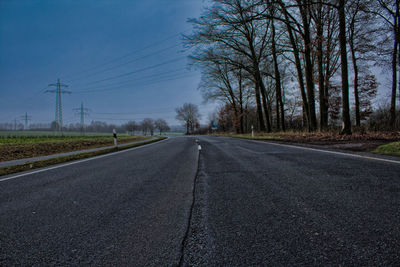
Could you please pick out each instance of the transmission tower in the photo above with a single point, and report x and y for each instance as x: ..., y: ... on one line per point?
x: 26, y: 119
x: 82, y: 113
x: 59, y: 91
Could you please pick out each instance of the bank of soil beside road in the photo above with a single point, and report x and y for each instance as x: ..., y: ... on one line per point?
x: 366, y: 142
x: 16, y: 148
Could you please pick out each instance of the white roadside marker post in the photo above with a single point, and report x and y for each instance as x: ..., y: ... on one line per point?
x: 115, y: 138
x: 252, y: 131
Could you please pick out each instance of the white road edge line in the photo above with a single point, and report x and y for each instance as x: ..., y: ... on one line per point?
x: 330, y: 152
x: 79, y: 161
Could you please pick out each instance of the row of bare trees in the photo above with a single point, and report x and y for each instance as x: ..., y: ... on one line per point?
x: 286, y: 57
x: 147, y: 126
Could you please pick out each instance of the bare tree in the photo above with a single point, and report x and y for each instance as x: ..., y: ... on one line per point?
x: 235, y: 25
x: 147, y: 126
x: 131, y: 126
x: 189, y: 115
x: 161, y: 125
x: 361, y: 27
x: 246, y: 48
x: 389, y: 13
x: 280, y: 109
x: 346, y: 127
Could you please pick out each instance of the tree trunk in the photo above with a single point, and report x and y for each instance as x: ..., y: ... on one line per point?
x: 259, y: 108
x: 345, y: 78
x: 278, y: 90
x: 241, y: 102
x: 309, y: 68
x: 356, y: 82
x: 394, y: 67
x: 322, y: 108
x: 264, y: 101
x: 299, y: 69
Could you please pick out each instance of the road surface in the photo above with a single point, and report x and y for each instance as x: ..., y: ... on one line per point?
x: 234, y: 203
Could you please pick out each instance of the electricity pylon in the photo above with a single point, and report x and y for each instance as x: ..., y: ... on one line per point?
x: 59, y: 91
x: 82, y: 113
x: 26, y: 119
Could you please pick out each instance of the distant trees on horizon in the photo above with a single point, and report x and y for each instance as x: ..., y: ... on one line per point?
x: 189, y: 115
x: 147, y: 127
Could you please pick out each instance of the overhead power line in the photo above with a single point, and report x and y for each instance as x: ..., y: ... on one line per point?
x: 138, y: 70
x: 132, y: 113
x: 152, y: 76
x: 68, y: 77
x: 139, y: 84
x: 125, y: 63
x: 128, y: 119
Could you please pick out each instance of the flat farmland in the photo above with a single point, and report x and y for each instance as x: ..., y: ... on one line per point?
x: 27, y: 144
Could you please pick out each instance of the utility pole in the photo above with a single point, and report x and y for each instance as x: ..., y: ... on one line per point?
x: 82, y: 113
x: 26, y: 119
x: 59, y: 91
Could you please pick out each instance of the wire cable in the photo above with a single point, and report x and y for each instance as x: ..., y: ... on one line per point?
x: 68, y: 77
x: 137, y: 71
x: 125, y: 63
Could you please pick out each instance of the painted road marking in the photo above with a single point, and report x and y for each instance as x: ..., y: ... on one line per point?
x: 330, y: 152
x: 76, y: 162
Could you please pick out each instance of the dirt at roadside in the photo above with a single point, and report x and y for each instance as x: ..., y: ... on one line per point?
x: 355, y: 142
x: 21, y: 151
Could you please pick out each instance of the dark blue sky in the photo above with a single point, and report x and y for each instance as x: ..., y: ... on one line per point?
x: 122, y: 59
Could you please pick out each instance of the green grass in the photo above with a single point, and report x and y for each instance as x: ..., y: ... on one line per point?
x: 31, y: 139
x: 49, y: 133
x: 44, y: 163
x: 389, y: 149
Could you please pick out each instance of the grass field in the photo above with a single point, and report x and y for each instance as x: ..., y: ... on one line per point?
x: 392, y: 149
x: 34, y: 144
x: 49, y: 133
x: 30, y: 137
x: 15, y: 140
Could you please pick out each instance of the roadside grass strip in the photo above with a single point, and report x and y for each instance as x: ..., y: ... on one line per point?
x: 392, y: 149
x: 44, y: 163
x: 21, y: 140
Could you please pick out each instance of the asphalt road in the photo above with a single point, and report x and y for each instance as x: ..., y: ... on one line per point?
x: 240, y: 203
x: 130, y: 209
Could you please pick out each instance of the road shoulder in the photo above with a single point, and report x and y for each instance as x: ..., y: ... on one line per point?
x: 29, y: 164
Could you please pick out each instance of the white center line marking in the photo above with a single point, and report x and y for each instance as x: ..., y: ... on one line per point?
x: 80, y: 161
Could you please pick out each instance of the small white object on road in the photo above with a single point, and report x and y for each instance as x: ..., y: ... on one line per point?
x: 199, y: 147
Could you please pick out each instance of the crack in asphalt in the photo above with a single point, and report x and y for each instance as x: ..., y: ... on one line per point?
x: 189, y: 223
